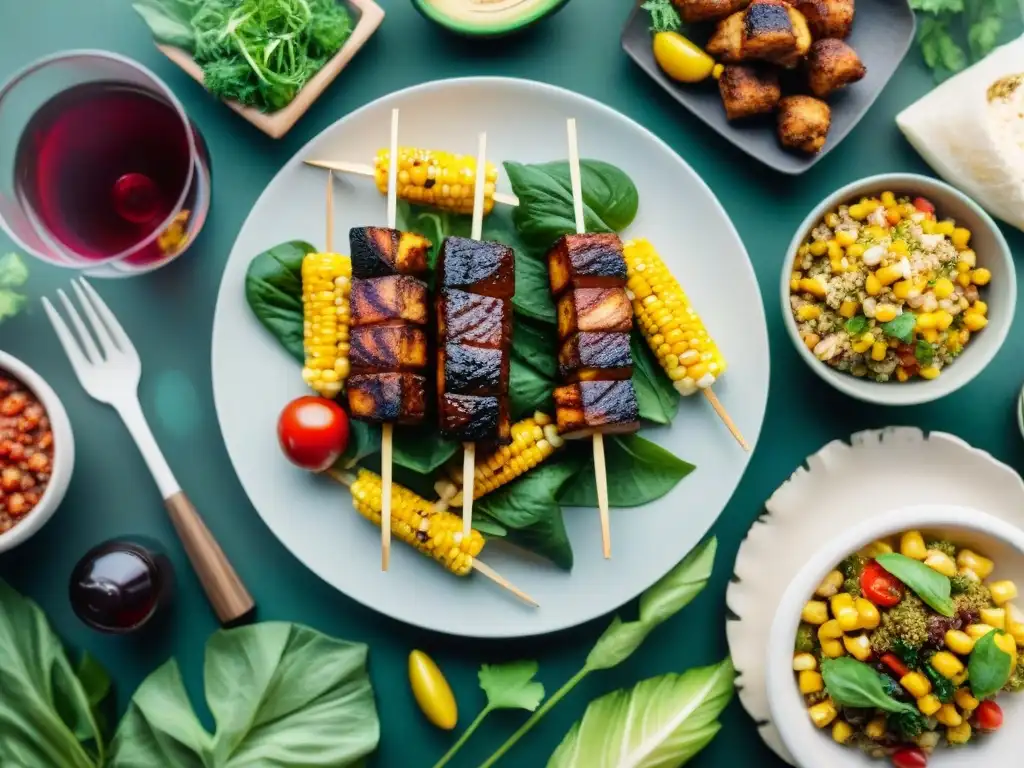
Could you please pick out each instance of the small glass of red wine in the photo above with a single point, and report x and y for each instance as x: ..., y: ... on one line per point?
x: 119, y: 585
x: 107, y: 172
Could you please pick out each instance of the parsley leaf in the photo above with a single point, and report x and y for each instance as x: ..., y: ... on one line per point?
x: 901, y: 327
x: 664, y: 16
x: 511, y: 686
x: 856, y: 324
x: 946, y: 25
x: 924, y: 352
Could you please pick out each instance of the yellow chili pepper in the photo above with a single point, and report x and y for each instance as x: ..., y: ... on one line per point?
x: 431, y: 691
x: 681, y: 59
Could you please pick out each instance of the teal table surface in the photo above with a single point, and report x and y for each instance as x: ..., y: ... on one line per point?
x: 170, y: 313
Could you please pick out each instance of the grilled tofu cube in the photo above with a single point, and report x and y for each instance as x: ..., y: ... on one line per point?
x: 804, y: 123
x: 387, y: 397
x: 386, y: 299
x: 586, y: 261
x: 473, y: 419
x: 588, y: 355
x: 831, y: 65
x: 768, y: 30
x: 379, y: 251
x: 467, y: 370
x: 594, y: 309
x: 477, y: 266
x: 694, y: 11
x: 726, y: 43
x: 587, y: 407
x: 380, y: 348
x: 465, y: 318
x: 748, y: 91
x: 827, y: 18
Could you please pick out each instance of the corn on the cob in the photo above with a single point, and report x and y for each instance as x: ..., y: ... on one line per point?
x: 533, y: 441
x: 436, y: 533
x: 670, y: 325
x: 440, y: 179
x: 326, y: 280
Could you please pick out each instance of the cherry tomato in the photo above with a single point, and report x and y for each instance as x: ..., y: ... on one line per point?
x: 879, y: 586
x: 313, y: 432
x: 893, y: 662
x: 909, y: 757
x: 924, y: 205
x: 989, y: 715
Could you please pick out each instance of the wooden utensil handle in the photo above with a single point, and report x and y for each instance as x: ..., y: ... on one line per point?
x: 225, y: 590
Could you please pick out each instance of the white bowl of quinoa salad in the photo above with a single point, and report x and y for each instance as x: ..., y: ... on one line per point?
x: 898, y: 289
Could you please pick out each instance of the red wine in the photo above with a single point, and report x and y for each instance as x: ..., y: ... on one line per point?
x: 119, y: 585
x: 102, y: 165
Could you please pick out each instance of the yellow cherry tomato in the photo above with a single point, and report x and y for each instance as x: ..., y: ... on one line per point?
x: 682, y: 59
x: 432, y: 691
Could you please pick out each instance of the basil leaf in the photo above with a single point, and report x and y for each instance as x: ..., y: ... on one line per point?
x: 273, y: 288
x: 930, y: 585
x: 900, y: 327
x: 856, y: 324
x: 657, y: 399
x: 989, y: 667
x: 852, y: 683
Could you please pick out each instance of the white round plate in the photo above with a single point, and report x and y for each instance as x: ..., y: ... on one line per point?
x: 253, y: 377
x: 843, y: 485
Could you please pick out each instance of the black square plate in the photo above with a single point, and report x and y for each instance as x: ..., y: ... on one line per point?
x: 882, y: 33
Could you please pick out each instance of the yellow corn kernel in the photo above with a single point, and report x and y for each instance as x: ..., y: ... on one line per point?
x: 978, y: 631
x: 1015, y: 623
x: 969, y: 258
x: 858, y: 646
x: 931, y: 372
x: 832, y: 649
x: 815, y: 612
x: 818, y: 248
x: 831, y: 219
x: 929, y: 704
x: 859, y: 211
x: 441, y: 179
x: 794, y: 283
x: 943, y: 288
x: 804, y: 662
x: 994, y: 617
x: 810, y: 682
x: 916, y: 684
x: 1006, y: 644
x: 905, y: 289
x: 912, y: 542
x: 948, y: 715
x: 830, y: 585
x: 868, y: 613
x: 863, y: 344
x: 934, y: 559
x: 834, y: 249
x: 878, y: 350
x: 959, y: 734
x: 842, y: 732
x: 845, y: 237
x: 885, y: 312
x: 823, y: 714
x: 980, y: 307
x: 889, y: 275
x: 943, y: 319
x: 959, y: 642
x: 960, y: 236
x: 974, y: 322
x: 925, y: 321
x: 848, y: 308
x: 928, y: 226
x: 326, y: 280
x: 1003, y: 591
x: 808, y: 312
x: 970, y: 560
x: 960, y: 679
x: 944, y: 227
x: 965, y: 700
x: 814, y: 286
x: 875, y: 729
x: 902, y: 375
x: 898, y: 246
x: 946, y: 664
x: 888, y: 199
x: 872, y: 285
x: 963, y: 279
x: 981, y: 276
x: 810, y: 341
x: 931, y: 335
x: 830, y: 630
x: 876, y: 548
x: 854, y: 251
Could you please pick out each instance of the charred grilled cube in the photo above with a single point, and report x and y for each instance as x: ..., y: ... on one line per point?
x: 749, y: 90
x: 768, y: 30
x: 474, y: 419
x: 586, y: 261
x: 465, y: 318
x: 588, y: 355
x: 387, y: 397
x: 379, y: 348
x: 586, y: 407
x: 380, y: 251
x: 466, y: 370
x: 477, y: 266
x: 594, y: 309
x: 387, y: 299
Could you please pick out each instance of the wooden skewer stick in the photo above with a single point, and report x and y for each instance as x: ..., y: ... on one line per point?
x: 600, y: 468
x: 362, y: 169
x: 387, y: 429
x: 726, y: 418
x: 346, y: 479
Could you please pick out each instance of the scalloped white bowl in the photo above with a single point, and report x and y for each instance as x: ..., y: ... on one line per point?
x: 813, y: 748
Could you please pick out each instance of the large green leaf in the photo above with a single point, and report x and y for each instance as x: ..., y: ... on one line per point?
x: 169, y: 21
x: 281, y: 695
x: 273, y: 288
x: 657, y: 399
x: 660, y: 723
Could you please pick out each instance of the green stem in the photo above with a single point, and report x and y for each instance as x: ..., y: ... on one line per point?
x: 526, y: 727
x: 464, y: 737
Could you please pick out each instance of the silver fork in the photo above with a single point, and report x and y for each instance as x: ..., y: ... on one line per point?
x: 109, y: 369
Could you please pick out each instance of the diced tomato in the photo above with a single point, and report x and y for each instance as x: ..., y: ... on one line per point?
x: 907, y: 358
x: 989, y: 716
x: 879, y: 586
x: 909, y: 757
x: 924, y: 205
x: 893, y: 662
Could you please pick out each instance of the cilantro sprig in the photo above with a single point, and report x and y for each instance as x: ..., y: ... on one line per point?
x: 664, y: 16
x: 954, y: 33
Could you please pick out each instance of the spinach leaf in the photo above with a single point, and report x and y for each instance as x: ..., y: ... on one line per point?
x: 169, y: 21
x: 657, y: 398
x: 545, y: 210
x: 533, y: 296
x: 528, y: 509
x: 279, y: 693
x: 421, y: 449
x: 989, y: 666
x: 273, y: 288
x: 534, y: 369
x: 930, y: 585
x: 363, y: 441
x: 852, y: 683
x: 639, y: 472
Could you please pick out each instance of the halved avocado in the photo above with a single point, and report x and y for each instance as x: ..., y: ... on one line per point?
x: 487, y: 18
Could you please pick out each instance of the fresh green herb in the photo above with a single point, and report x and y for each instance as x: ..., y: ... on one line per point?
x: 900, y: 327
x: 908, y: 654
x: 909, y: 724
x: 852, y: 683
x: 945, y: 546
x: 806, y: 638
x: 664, y: 16
x: 273, y: 289
x: 989, y: 667
x: 656, y: 398
x: 945, y: 25
x: 1016, y: 682
x: 930, y: 585
x: 924, y: 351
x: 856, y: 324
x: 13, y: 275
x: 662, y: 721
x: 941, y: 687
x: 906, y: 622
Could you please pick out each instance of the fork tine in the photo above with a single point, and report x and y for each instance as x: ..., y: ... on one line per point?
x: 92, y: 354
x: 115, y: 328
x: 78, y: 360
x: 105, y: 339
